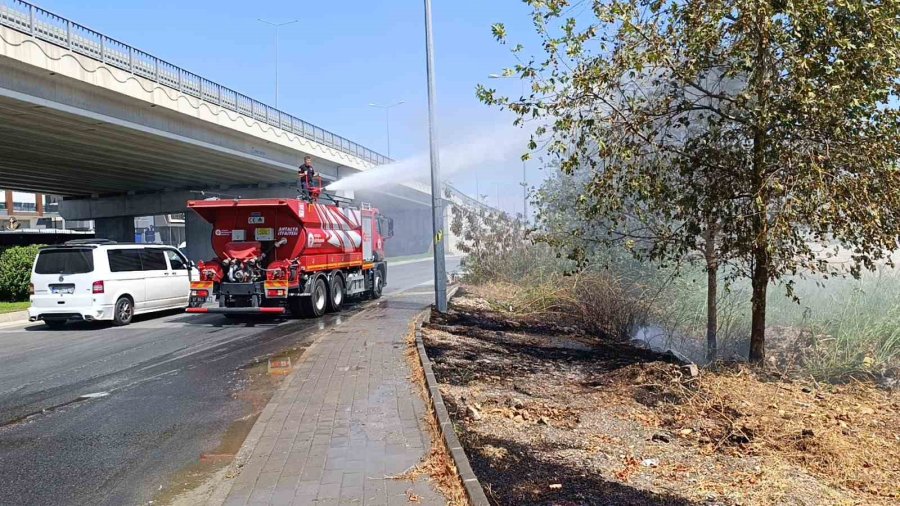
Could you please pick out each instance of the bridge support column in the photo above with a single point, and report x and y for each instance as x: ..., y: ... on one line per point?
x: 120, y: 228
x: 198, y: 233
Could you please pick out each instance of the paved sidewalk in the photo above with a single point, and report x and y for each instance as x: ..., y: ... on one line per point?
x: 344, y: 421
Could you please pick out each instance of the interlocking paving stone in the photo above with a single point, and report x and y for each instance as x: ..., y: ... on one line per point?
x: 346, y: 420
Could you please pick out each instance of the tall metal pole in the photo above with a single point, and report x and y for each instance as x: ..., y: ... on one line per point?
x: 277, y: 26
x: 276, y: 65
x: 524, y: 192
x: 387, y: 128
x: 387, y: 119
x: 437, y: 203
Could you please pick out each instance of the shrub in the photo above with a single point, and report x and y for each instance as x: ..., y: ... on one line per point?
x: 534, y: 281
x: 497, y: 248
x: 15, y: 272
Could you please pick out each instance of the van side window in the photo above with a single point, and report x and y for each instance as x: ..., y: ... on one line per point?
x: 176, y: 260
x: 124, y: 260
x: 154, y: 260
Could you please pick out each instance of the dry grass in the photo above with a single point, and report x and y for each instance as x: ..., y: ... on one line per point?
x: 594, y: 303
x: 846, y: 435
x: 558, y: 409
x: 437, y: 464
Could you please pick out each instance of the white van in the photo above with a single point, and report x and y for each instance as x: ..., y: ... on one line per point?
x: 101, y: 280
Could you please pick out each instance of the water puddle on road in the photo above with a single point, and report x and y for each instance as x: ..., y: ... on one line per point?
x: 260, y: 379
x: 280, y: 366
x: 187, y: 487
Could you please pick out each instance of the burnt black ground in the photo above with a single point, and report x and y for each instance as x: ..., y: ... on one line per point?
x: 172, y: 381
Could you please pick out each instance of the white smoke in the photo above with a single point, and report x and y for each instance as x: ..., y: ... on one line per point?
x: 482, y: 152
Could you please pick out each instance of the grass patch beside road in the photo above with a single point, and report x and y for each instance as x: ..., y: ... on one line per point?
x: 841, y: 327
x: 12, y: 307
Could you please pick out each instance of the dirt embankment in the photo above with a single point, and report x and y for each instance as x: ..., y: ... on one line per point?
x: 551, y: 417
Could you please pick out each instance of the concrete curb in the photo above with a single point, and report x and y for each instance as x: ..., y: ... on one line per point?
x: 16, y: 316
x: 474, y: 491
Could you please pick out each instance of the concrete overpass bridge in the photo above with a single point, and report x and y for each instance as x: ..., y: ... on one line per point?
x: 121, y: 133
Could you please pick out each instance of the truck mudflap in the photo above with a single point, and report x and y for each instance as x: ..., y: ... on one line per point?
x: 236, y: 310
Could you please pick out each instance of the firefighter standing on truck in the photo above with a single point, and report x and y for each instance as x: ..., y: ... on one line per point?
x: 305, y: 175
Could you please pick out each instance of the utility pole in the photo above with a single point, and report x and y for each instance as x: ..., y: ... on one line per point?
x: 277, y: 26
x: 437, y: 204
x: 524, y: 192
x: 387, y: 120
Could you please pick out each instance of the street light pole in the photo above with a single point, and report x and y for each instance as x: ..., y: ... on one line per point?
x: 277, y: 26
x: 437, y: 204
x: 524, y: 192
x: 387, y: 119
x: 524, y: 167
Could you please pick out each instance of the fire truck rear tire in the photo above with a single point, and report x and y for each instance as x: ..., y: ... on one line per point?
x: 377, y: 284
x: 315, y: 305
x: 336, y: 294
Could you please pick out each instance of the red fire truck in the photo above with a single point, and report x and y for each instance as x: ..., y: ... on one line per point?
x: 289, y: 255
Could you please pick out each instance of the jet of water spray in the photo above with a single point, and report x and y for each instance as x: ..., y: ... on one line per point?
x: 482, y: 152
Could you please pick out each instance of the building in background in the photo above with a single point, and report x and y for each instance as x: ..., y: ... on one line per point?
x: 160, y: 229
x: 38, y: 220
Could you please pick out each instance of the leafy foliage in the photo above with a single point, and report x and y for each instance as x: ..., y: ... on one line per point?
x: 497, y: 248
x: 537, y: 283
x: 15, y: 272
x: 776, y: 122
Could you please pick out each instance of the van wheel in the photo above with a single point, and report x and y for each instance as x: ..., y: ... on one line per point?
x: 55, y: 324
x: 336, y: 297
x: 123, y: 312
x: 315, y: 305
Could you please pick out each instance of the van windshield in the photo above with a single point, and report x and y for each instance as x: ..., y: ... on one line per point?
x: 64, y: 261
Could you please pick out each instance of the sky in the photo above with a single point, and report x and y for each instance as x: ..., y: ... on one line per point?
x: 343, y: 55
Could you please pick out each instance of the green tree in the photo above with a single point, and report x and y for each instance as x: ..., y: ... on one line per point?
x: 769, y: 125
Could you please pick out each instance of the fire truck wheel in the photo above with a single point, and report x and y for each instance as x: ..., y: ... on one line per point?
x: 336, y: 297
x: 377, y: 284
x: 315, y: 305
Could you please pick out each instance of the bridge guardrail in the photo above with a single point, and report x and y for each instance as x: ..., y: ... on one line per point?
x: 44, y: 25
x: 452, y: 192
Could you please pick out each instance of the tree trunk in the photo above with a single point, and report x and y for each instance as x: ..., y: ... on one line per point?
x: 712, y: 292
x: 760, y: 284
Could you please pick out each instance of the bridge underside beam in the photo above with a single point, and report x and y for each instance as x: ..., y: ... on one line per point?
x: 53, y: 148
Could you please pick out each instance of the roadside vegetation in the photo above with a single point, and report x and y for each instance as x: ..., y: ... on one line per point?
x: 550, y: 415
x: 557, y: 403
x: 15, y: 273
x: 12, y: 307
x: 831, y: 330
x: 537, y: 282
x: 758, y: 136
x: 723, y: 183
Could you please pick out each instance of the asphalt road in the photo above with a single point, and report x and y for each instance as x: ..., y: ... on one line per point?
x: 171, y: 388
